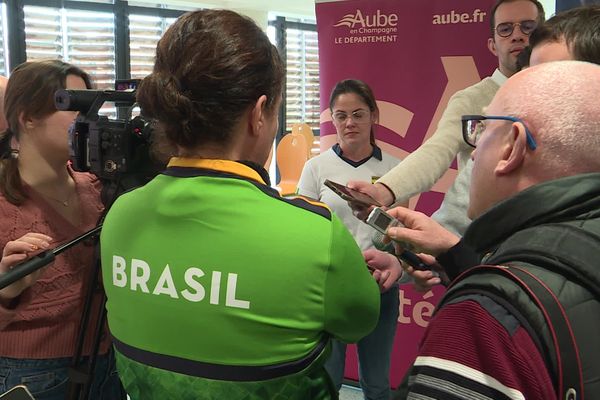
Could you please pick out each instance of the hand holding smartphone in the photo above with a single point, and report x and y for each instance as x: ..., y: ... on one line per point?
x: 381, y: 221
x: 350, y: 194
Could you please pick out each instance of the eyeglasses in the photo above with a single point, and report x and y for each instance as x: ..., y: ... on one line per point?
x: 506, y: 29
x: 473, y: 127
x: 358, y: 116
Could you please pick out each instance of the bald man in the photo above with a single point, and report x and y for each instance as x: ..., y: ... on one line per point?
x: 535, y: 204
x: 568, y: 35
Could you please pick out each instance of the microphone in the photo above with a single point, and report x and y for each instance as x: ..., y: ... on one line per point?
x: 378, y: 243
x: 414, y: 261
x: 406, y: 255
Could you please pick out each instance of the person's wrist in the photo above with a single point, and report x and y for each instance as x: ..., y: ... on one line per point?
x: 446, y: 240
x: 451, y: 241
x: 397, y: 261
x: 386, y: 194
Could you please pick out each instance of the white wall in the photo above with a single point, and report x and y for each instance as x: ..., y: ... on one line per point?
x: 549, y: 7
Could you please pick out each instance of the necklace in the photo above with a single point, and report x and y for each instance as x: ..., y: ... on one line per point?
x: 64, y: 202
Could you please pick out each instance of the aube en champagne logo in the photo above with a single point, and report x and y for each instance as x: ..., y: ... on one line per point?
x: 368, y: 28
x: 375, y: 20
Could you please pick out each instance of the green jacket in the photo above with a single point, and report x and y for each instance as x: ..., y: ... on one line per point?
x: 220, y: 288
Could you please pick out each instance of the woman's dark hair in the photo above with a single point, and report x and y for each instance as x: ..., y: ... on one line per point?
x: 362, y: 90
x: 579, y: 27
x: 211, y: 66
x: 29, y: 94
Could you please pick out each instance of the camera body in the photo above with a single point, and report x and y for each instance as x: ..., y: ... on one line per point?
x: 110, y: 148
x: 118, y: 151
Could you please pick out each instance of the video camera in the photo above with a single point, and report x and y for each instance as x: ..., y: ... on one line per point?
x: 118, y: 151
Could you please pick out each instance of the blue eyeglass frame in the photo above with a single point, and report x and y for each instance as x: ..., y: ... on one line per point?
x: 465, y: 118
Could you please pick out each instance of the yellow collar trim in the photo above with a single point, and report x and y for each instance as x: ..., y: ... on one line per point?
x: 232, y: 167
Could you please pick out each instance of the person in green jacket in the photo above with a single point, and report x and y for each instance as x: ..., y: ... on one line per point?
x: 219, y: 288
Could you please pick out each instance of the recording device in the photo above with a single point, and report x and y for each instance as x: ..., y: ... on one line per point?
x: 349, y: 194
x: 381, y: 221
x: 414, y: 261
x: 19, y: 392
x: 115, y: 150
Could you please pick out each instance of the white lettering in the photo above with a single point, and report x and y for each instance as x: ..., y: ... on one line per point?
x: 231, y: 301
x: 141, y: 273
x: 454, y: 17
x: 118, y: 271
x: 137, y: 279
x: 358, y: 19
x: 215, y: 287
x: 165, y: 284
x: 200, y: 293
x: 375, y: 20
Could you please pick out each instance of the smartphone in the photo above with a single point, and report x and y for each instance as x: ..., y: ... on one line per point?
x: 350, y: 194
x: 381, y: 221
x: 19, y: 392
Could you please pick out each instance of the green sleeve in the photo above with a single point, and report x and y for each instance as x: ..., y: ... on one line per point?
x: 351, y: 294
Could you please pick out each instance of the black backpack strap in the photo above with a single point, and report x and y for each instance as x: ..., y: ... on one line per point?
x: 560, y: 244
x: 569, y: 374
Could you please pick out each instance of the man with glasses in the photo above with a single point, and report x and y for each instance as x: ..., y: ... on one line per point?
x: 535, y: 204
x: 511, y: 23
x: 568, y: 35
x: 509, y: 37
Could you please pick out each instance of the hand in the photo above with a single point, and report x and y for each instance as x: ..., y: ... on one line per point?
x: 385, y: 267
x: 421, y: 231
x: 425, y: 280
x: 377, y: 191
x: 17, y: 251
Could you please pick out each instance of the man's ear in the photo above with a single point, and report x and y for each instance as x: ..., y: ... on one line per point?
x: 257, y: 115
x: 514, y: 150
x: 492, y: 46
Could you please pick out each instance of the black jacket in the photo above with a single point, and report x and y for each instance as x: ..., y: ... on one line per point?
x: 553, y: 230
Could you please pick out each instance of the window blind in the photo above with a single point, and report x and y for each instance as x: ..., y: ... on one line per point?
x: 302, y: 79
x: 144, y: 33
x: 83, y: 38
x: 3, y: 40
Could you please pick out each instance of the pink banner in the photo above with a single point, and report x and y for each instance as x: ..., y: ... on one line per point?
x: 414, y: 54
